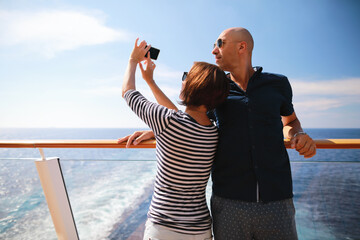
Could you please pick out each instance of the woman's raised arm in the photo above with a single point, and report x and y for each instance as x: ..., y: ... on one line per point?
x: 137, y: 55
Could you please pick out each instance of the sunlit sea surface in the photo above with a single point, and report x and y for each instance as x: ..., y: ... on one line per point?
x: 110, y: 189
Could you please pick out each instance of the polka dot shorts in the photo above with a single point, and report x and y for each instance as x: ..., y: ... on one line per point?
x: 238, y: 220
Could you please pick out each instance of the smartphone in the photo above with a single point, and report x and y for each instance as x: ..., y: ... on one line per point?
x: 154, y: 53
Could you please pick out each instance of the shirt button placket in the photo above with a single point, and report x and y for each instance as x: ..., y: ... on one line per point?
x: 252, y: 136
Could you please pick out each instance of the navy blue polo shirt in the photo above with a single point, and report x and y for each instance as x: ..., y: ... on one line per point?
x: 251, y: 162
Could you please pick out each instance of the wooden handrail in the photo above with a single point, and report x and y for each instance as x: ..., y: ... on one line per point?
x: 320, y: 144
x: 72, y: 144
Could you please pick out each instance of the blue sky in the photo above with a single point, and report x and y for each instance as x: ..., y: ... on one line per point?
x: 62, y: 62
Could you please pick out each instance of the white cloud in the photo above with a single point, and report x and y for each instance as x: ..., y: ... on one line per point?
x: 104, y: 91
x: 333, y: 87
x: 168, y: 80
x: 166, y: 73
x: 324, y: 95
x: 320, y: 104
x: 51, y: 31
x: 110, y: 91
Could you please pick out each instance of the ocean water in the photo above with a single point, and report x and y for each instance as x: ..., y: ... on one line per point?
x: 110, y: 189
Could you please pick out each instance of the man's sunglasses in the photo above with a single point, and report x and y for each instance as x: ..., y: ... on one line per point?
x: 219, y: 43
x: 184, y: 76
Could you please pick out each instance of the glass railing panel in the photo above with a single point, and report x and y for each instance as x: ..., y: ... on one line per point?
x: 325, y: 196
x: 24, y: 213
x: 328, y: 155
x: 326, y: 199
x: 109, y: 198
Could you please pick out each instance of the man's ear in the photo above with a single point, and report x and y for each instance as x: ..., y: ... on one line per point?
x: 242, y: 45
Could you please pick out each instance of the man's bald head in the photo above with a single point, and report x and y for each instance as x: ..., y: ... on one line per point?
x: 234, y: 51
x: 240, y: 34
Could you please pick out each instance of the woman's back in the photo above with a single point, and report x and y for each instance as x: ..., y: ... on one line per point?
x: 185, y: 151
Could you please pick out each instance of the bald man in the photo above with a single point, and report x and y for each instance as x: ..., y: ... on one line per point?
x: 252, y: 184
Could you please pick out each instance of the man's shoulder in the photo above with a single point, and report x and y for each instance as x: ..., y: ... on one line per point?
x: 273, y: 76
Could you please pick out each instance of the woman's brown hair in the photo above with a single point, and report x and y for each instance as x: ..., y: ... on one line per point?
x: 206, y: 84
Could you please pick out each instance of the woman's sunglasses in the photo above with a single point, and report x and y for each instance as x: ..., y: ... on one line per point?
x: 184, y: 76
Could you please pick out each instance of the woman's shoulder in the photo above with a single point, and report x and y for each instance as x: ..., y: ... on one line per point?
x: 186, y: 119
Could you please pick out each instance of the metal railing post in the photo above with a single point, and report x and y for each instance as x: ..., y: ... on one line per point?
x: 53, y: 184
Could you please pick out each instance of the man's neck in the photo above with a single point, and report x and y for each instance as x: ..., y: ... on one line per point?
x: 241, y: 76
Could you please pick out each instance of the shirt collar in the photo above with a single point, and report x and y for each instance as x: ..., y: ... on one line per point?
x: 256, y: 74
x: 257, y: 70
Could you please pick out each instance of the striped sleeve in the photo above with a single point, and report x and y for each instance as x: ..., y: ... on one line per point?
x: 154, y: 115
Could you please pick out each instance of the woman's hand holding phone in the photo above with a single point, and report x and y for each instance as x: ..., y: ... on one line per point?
x: 138, y: 53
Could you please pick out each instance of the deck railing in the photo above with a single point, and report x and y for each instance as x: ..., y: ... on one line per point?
x: 52, y: 181
x: 320, y: 144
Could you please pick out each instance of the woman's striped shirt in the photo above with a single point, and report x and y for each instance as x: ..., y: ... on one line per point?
x: 185, y: 151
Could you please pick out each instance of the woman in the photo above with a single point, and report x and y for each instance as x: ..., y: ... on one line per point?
x: 185, y: 146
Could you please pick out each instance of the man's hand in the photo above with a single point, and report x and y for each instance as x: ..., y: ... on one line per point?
x: 137, y: 137
x: 304, y: 144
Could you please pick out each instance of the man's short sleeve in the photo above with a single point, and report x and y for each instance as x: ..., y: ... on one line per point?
x: 287, y: 107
